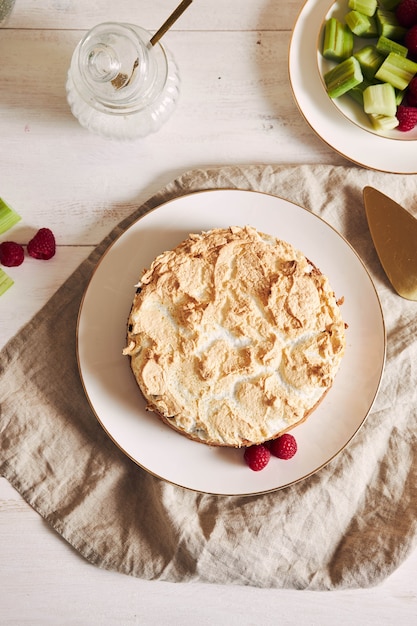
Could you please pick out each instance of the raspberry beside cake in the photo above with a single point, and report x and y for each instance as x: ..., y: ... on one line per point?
x: 234, y: 337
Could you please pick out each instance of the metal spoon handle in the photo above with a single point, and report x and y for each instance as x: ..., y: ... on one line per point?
x: 169, y: 22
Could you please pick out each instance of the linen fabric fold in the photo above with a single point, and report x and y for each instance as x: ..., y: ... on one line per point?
x: 349, y: 525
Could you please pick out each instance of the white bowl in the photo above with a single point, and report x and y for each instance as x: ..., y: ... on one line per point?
x: 347, y: 106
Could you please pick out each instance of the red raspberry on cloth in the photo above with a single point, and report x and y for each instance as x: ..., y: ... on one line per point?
x: 410, y: 41
x: 284, y: 447
x: 407, y: 118
x: 11, y: 254
x: 257, y: 457
x: 42, y: 246
x: 406, y: 13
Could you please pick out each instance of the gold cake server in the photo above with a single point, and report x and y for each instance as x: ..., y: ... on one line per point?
x: 394, y: 233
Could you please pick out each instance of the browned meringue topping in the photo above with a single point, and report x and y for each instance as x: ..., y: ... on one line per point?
x: 234, y: 337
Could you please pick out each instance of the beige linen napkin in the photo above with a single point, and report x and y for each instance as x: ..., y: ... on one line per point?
x: 349, y: 525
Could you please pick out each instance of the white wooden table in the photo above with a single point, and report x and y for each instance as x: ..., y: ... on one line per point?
x: 236, y: 107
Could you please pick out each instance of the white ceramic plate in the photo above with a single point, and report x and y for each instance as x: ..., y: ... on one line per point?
x: 116, y: 399
x: 341, y: 126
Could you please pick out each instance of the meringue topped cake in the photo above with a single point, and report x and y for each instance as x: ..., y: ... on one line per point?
x: 234, y: 337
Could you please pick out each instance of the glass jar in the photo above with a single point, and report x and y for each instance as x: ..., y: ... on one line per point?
x: 119, y: 85
x: 6, y: 7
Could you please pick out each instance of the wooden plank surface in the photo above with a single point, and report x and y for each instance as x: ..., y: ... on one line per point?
x: 202, y: 15
x: 236, y: 106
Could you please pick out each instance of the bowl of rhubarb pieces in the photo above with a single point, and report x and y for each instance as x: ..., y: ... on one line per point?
x: 367, y: 61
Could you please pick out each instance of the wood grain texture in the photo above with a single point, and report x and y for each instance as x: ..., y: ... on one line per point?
x: 236, y: 106
x: 203, y: 15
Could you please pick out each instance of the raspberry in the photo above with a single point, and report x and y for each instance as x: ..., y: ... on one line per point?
x: 410, y: 41
x: 410, y: 99
x: 257, y: 457
x: 284, y: 447
x: 11, y: 254
x: 406, y: 13
x: 411, y: 93
x: 42, y: 246
x: 412, y: 87
x: 407, y: 118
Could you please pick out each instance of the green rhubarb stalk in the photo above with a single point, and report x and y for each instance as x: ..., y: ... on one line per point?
x: 388, y: 25
x: 383, y: 122
x: 5, y: 282
x: 370, y: 60
x: 366, y: 7
x: 399, y: 96
x: 8, y: 216
x: 389, y: 5
x: 384, y: 45
x: 397, y: 71
x: 380, y: 100
x: 337, y: 40
x: 357, y: 92
x: 372, y: 31
x: 358, y: 23
x: 343, y: 77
